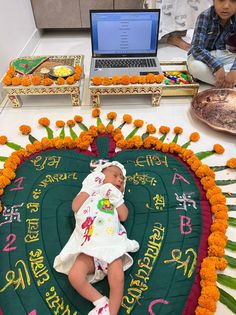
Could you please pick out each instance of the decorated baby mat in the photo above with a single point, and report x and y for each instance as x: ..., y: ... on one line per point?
x: 177, y: 213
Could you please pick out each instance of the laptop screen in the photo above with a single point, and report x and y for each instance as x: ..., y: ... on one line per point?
x: 121, y: 33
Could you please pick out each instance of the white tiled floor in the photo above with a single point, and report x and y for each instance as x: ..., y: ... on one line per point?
x: 172, y: 111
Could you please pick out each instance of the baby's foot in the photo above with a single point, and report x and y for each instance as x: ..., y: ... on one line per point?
x: 101, y: 308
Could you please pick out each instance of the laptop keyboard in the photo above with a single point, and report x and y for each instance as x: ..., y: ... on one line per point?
x: 125, y: 63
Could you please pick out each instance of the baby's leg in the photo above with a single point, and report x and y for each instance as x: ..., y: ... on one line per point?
x: 83, y: 266
x: 115, y: 275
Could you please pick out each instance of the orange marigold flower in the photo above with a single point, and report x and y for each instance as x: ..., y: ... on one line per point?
x: 110, y: 128
x: 215, y: 250
x: 44, y: 121
x: 219, y: 207
x: 78, y: 118
x: 93, y: 131
x: 96, y: 112
x: 178, y: 130
x: 117, y: 137
x: 220, y: 263
x: 47, y: 143
x: 186, y: 154
x: 78, y: 69
x: 222, y: 215
x: 116, y: 79
x: 25, y: 81
x: 70, y: 123
x: 164, y: 129
x: 127, y: 118
x: 11, y: 71
x: 212, y: 191
x: 47, y: 81
x: 9, y: 173
x: 218, y: 149
x: 138, y: 123
x: 36, y: 80
x: 122, y: 144
x: 207, y: 182
x: 208, y: 274
x: 150, y: 142
x: 204, y: 170
x: 194, y: 137
x: 30, y: 148
x: 7, y: 80
x: 217, y: 199
x: 231, y: 163
x: 150, y: 78
x: 159, y: 144
x: 124, y: 79
x: 211, y: 291
x: 159, y: 78
x: 96, y: 80
x: 106, y: 81
x: 151, y: 129
x: 112, y: 115
x: 219, y: 225
x: 25, y: 129
x: 11, y: 164
x: 165, y: 147
x: 70, y: 80
x: 202, y: 311
x: 217, y: 238
x: 16, y: 81
x: 134, y: 79
x: 38, y: 145
x: 3, y: 140
x: 60, y: 123
x: 195, y: 165
x: 142, y: 79
x: 137, y: 140
x: 60, y: 81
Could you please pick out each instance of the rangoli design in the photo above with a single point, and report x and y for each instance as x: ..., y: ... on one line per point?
x: 177, y: 213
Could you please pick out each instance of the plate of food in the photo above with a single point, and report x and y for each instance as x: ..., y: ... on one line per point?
x: 61, y: 71
x: 217, y: 108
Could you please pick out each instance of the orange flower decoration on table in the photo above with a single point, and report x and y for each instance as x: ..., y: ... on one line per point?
x: 142, y: 79
x: 96, y: 112
x: 150, y: 78
x: 107, y: 81
x: 60, y: 81
x: 44, y: 121
x: 16, y: 81
x: 218, y: 149
x: 116, y: 79
x: 159, y: 78
x: 3, y: 140
x: 36, y: 80
x: 25, y: 130
x: 7, y: 80
x: 125, y: 79
x: 25, y: 81
x: 178, y: 130
x: 60, y: 123
x: 70, y: 80
x: 97, y: 80
x: 11, y: 71
x: 47, y: 81
x: 134, y: 79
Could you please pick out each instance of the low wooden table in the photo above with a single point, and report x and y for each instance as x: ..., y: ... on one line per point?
x: 14, y: 92
x: 155, y: 90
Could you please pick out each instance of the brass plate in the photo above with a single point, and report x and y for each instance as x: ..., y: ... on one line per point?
x: 217, y: 108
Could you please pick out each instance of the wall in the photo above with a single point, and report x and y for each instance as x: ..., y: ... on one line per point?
x: 18, y: 33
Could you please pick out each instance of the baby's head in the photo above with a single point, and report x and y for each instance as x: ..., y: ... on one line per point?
x: 114, y: 174
x: 225, y: 9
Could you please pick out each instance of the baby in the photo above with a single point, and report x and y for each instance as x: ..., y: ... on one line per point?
x: 99, y: 245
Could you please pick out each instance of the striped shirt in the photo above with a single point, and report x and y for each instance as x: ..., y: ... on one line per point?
x: 209, y: 35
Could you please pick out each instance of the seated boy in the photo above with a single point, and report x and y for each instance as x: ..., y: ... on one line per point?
x: 209, y: 58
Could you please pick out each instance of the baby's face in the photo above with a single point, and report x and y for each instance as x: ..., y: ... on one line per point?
x: 114, y: 176
x: 225, y: 9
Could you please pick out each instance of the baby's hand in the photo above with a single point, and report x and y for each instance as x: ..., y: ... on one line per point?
x: 92, y: 182
x: 109, y: 191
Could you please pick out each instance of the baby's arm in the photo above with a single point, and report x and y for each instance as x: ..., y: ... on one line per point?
x: 90, y: 184
x: 79, y: 200
x: 122, y: 211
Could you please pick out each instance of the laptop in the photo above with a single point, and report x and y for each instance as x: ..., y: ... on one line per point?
x: 124, y: 42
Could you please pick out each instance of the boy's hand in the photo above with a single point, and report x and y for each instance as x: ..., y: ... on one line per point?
x: 92, y: 182
x: 230, y: 79
x: 110, y: 192
x: 220, y: 78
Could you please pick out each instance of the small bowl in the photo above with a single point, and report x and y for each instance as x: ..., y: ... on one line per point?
x: 62, y: 71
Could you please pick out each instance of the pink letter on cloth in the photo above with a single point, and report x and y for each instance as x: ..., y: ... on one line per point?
x: 185, y: 222
x: 155, y: 302
x: 33, y: 312
x: 178, y: 176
